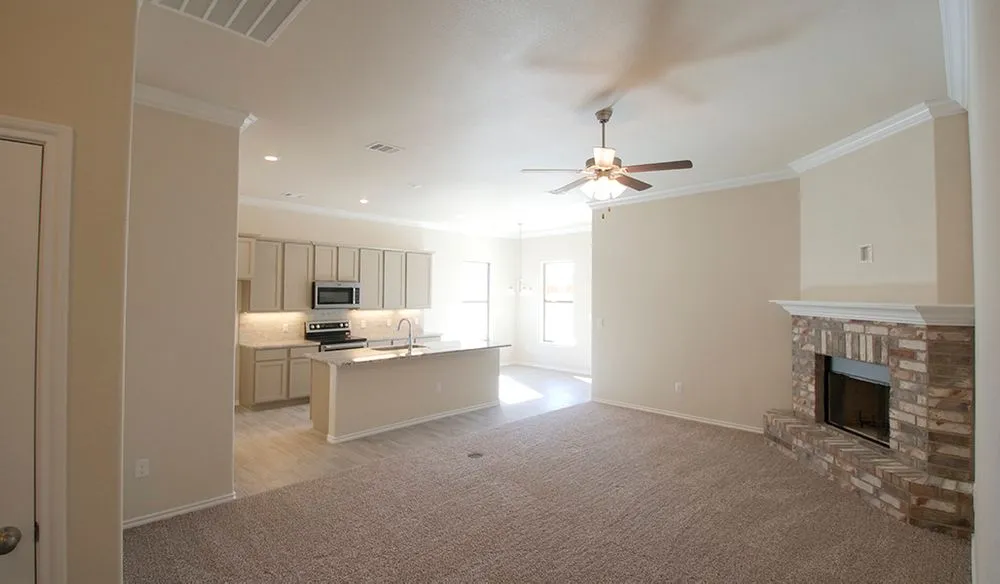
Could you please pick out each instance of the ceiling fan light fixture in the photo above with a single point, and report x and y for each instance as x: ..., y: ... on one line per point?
x: 604, y: 157
x: 603, y: 189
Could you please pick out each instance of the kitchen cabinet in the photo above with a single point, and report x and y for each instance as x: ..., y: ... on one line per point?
x: 266, y: 284
x: 325, y: 266
x: 270, y: 381
x: 244, y: 258
x: 299, y: 377
x: 394, y: 280
x: 418, y: 280
x: 268, y: 376
x: 370, y: 272
x: 298, y: 276
x: 347, y: 264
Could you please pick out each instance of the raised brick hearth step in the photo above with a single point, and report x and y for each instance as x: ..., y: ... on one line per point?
x: 878, y: 475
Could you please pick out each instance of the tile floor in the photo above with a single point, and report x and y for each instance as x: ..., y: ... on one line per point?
x: 278, y: 447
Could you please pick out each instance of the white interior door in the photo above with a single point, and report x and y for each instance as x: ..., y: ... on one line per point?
x: 20, y: 202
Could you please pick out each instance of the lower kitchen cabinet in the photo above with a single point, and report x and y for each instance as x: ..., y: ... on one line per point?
x: 270, y: 376
x: 270, y: 381
x: 299, y: 378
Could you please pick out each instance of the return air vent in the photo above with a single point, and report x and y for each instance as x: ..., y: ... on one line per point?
x: 259, y: 20
x: 383, y: 148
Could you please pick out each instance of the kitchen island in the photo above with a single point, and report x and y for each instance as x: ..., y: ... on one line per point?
x: 361, y: 392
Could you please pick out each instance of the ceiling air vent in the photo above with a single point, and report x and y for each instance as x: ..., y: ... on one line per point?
x: 259, y: 20
x: 383, y: 148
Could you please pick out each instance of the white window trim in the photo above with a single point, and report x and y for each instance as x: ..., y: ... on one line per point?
x: 541, y: 328
x: 489, y: 298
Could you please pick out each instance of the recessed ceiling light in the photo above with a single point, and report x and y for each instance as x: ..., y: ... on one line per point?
x: 415, y: 185
x: 272, y: 158
x: 293, y: 195
x: 363, y: 201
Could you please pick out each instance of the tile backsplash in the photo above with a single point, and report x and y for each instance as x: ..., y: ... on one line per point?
x: 256, y: 327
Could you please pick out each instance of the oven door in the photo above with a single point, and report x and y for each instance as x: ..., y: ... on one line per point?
x: 336, y: 295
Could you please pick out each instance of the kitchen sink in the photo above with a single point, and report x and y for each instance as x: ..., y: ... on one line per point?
x: 397, y: 348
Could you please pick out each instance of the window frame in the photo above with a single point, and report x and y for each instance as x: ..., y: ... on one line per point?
x: 489, y: 297
x: 546, y: 302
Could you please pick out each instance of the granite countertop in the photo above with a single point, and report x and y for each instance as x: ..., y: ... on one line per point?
x: 398, y: 336
x: 361, y: 356
x: 279, y: 344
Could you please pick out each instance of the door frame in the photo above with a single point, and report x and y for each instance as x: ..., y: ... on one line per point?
x: 51, y: 342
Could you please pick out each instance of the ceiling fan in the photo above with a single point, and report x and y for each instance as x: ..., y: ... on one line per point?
x: 606, y: 178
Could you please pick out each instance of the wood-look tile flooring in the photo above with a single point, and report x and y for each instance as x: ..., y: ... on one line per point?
x: 278, y: 447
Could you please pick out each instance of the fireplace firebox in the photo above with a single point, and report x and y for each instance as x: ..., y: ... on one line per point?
x: 857, y: 398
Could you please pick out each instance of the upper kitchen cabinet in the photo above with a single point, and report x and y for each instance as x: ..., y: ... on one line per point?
x: 244, y: 258
x: 298, y: 276
x: 266, y: 284
x: 371, y: 278
x: 418, y: 280
x: 394, y: 282
x: 348, y: 268
x: 326, y: 263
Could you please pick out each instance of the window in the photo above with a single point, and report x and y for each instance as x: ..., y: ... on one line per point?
x: 475, y: 323
x: 557, y: 303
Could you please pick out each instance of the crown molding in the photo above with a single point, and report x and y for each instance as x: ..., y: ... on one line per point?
x: 955, y: 16
x: 163, y: 99
x: 919, y: 314
x: 733, y: 183
x: 904, y: 120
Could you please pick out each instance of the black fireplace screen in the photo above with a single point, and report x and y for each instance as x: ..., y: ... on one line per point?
x: 857, y: 398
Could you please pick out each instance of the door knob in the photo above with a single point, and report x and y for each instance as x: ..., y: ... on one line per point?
x: 9, y: 538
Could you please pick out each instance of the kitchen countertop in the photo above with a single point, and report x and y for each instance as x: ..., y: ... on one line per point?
x: 351, y: 357
x: 280, y: 344
x: 398, y: 337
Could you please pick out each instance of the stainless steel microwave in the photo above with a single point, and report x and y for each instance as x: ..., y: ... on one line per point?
x: 336, y: 295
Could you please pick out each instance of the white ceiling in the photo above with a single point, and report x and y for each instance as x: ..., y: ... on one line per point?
x: 475, y: 90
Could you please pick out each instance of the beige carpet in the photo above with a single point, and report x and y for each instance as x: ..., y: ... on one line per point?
x: 586, y: 494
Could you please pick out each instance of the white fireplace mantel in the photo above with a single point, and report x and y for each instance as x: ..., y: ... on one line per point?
x: 919, y: 314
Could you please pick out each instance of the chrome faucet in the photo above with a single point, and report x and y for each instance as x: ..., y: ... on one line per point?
x: 409, y: 332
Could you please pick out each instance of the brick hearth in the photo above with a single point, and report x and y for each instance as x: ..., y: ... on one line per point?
x: 925, y: 477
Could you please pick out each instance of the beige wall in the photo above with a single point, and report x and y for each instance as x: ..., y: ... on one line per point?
x: 530, y: 349
x: 681, y: 291
x: 984, y: 124
x: 953, y: 210
x: 450, y: 250
x: 181, y: 311
x: 908, y: 196
x: 71, y: 63
x: 881, y: 195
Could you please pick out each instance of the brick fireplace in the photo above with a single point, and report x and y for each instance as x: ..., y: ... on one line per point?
x: 925, y: 475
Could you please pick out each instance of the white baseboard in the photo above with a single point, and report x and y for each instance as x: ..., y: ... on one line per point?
x: 410, y: 422
x: 723, y: 423
x: 161, y: 515
x: 551, y: 368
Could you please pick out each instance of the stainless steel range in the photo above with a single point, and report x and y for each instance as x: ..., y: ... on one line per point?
x: 333, y: 335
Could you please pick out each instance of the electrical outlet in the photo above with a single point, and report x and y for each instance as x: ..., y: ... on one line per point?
x: 142, y: 468
x: 388, y: 322
x: 364, y: 323
x: 284, y: 327
x: 678, y: 387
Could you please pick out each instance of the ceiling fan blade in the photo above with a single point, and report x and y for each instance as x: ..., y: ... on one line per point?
x: 654, y: 166
x: 551, y: 170
x: 633, y: 183
x: 570, y: 186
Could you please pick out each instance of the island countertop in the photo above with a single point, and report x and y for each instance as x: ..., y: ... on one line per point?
x: 351, y: 357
